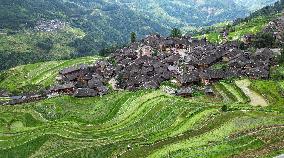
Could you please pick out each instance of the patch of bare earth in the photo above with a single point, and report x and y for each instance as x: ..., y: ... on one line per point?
x: 255, y: 98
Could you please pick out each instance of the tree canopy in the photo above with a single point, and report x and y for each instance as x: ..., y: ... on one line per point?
x: 176, y: 32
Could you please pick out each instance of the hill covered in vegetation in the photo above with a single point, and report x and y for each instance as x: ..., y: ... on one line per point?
x: 17, y: 14
x: 94, y: 25
x: 253, y: 24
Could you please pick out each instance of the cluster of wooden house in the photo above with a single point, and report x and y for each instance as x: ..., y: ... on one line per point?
x: 276, y: 27
x: 148, y: 63
x: 20, y: 99
x: 84, y: 80
x: 49, y: 25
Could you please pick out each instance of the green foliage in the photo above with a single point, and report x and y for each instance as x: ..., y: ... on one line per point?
x: 264, y: 39
x: 227, y: 95
x: 155, y: 124
x: 176, y: 32
x: 155, y: 53
x: 271, y: 90
x: 234, y: 92
x: 133, y: 37
x: 45, y: 44
x: 277, y: 73
x: 265, y: 11
x: 103, y: 23
x: 237, y: 30
x: 16, y: 14
x: 88, y: 44
x: 27, y: 47
x: 108, y: 50
x: 169, y: 84
x: 224, y: 108
x: 25, y: 150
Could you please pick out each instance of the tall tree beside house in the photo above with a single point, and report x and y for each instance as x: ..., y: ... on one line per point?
x: 176, y: 32
x: 264, y: 39
x: 133, y: 37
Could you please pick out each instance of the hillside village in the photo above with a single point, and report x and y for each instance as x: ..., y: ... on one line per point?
x: 66, y: 90
x: 185, y: 62
x: 49, y: 25
x: 147, y: 64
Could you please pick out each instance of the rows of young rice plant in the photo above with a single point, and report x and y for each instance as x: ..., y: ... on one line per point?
x: 236, y: 91
x: 145, y: 115
x: 220, y: 135
x: 225, y: 93
x: 271, y: 138
x: 151, y: 122
x: 271, y: 91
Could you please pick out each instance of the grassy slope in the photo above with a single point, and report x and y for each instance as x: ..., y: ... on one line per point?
x: 26, y: 41
x: 238, y: 31
x: 30, y: 47
x: 35, y: 76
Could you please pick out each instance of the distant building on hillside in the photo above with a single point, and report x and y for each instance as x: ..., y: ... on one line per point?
x: 49, y: 25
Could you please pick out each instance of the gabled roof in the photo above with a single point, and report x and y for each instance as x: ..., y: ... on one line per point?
x: 73, y: 69
x: 185, y: 91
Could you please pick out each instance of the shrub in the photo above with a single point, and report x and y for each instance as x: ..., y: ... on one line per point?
x: 176, y: 32
x: 224, y: 108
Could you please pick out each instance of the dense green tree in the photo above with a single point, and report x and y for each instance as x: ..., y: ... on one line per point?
x: 242, y: 46
x: 45, y: 44
x: 176, y: 32
x: 88, y: 45
x: 133, y: 37
x: 264, y: 39
x: 108, y: 50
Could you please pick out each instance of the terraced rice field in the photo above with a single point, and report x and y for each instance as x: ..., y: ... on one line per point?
x: 230, y: 92
x: 35, y: 76
x: 4, y: 98
x: 139, y: 124
x: 143, y: 123
x: 255, y: 98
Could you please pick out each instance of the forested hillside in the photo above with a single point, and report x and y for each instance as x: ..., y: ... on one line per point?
x: 237, y: 29
x: 16, y: 14
x: 253, y: 5
x: 91, y: 25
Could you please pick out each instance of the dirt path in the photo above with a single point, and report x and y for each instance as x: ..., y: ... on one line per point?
x: 255, y: 98
x: 280, y: 156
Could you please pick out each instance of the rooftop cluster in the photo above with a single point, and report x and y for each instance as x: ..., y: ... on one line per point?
x: 155, y: 59
x: 49, y: 25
